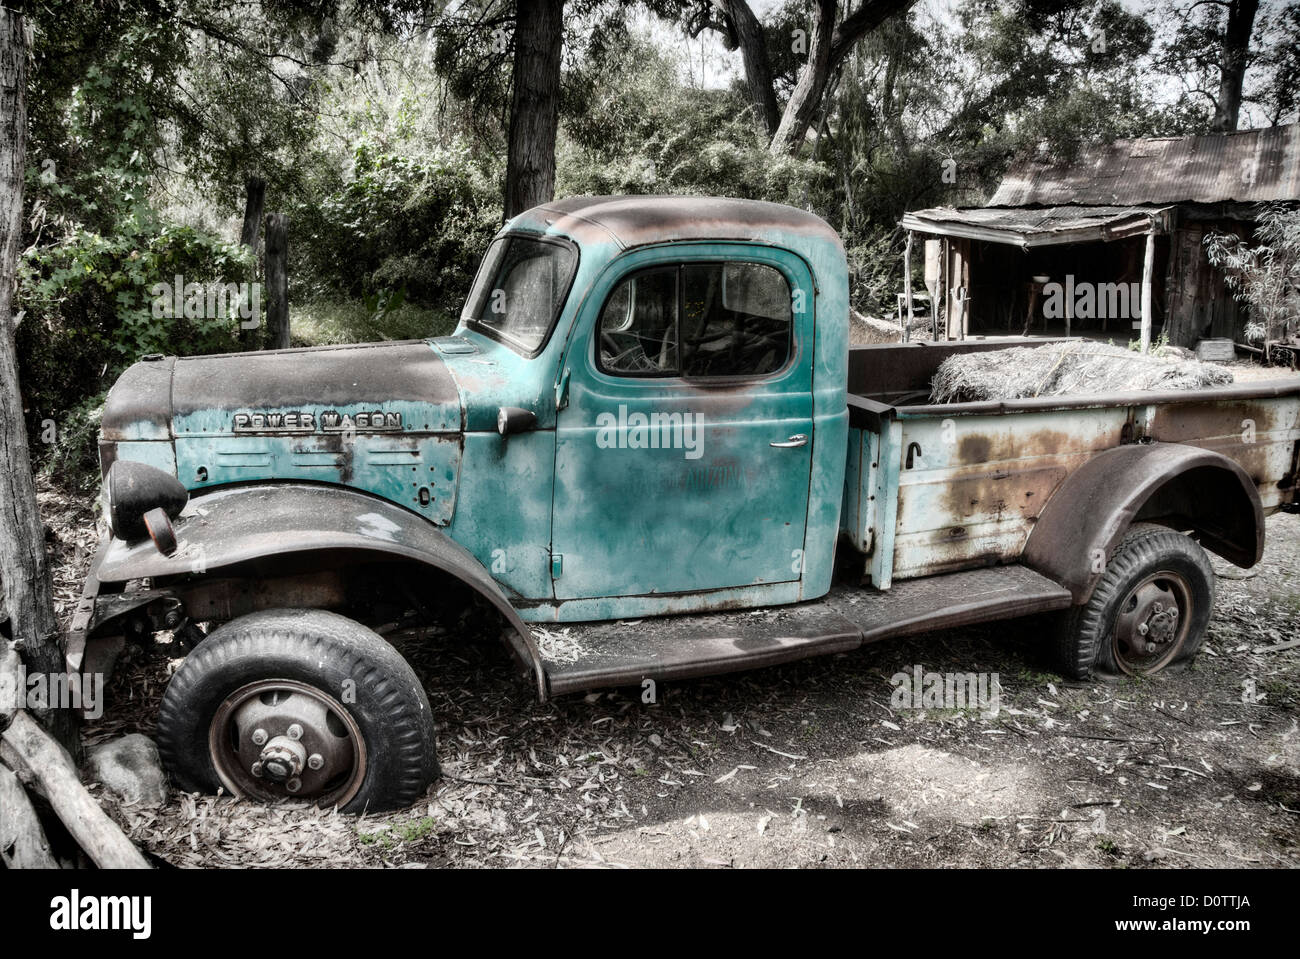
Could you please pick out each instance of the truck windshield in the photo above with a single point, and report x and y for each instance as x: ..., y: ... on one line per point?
x: 520, y: 289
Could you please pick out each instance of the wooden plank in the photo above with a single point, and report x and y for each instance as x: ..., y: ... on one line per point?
x: 1148, y: 278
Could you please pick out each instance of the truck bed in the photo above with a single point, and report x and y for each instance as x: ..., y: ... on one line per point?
x: 599, y: 655
x: 971, y: 478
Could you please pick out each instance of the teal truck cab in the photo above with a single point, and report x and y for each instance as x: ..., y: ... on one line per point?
x: 649, y: 410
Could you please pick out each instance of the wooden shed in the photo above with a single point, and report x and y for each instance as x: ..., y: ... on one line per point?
x: 1114, y: 236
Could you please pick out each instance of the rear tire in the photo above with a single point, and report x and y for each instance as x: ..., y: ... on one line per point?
x: 299, y: 703
x: 1148, y: 612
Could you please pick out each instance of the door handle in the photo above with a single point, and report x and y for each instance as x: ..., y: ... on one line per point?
x: 799, y: 439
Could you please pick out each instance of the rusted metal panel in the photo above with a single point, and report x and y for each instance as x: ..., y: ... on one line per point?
x: 208, y: 390
x: 970, y: 487
x: 632, y: 221
x: 1029, y: 228
x: 1245, y: 166
x: 1083, y: 523
x: 234, y: 525
x: 682, y: 647
x: 975, y: 477
x: 947, y: 602
x: 138, y: 407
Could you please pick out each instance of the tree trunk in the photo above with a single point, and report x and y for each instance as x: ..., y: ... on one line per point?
x: 1232, y: 68
x: 24, y: 567
x: 534, y: 108
x: 828, y: 45
x: 250, y: 337
x: 277, y: 281
x: 807, y: 93
x: 255, y: 200
x: 758, y: 70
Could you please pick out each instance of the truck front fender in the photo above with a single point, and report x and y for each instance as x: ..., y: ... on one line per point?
x: 236, y: 524
x: 1183, y: 487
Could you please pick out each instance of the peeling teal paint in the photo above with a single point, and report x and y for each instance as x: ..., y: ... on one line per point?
x: 641, y: 531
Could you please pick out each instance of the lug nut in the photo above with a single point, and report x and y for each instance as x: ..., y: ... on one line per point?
x: 1143, y: 629
x: 294, y: 732
x: 293, y: 785
x: 315, y: 761
x: 259, y: 737
x: 257, y: 769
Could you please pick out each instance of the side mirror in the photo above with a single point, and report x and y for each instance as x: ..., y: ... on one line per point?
x: 511, y: 419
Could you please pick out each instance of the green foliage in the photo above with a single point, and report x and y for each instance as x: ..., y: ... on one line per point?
x: 329, y: 320
x: 404, y: 221
x: 96, y: 245
x: 632, y: 126
x: 1264, y: 273
x: 874, y: 274
x: 73, y: 457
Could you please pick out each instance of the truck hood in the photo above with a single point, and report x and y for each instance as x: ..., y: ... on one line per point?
x: 391, y: 388
x: 385, y: 418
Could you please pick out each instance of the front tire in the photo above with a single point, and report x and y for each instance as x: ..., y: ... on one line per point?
x: 1148, y: 612
x: 299, y: 703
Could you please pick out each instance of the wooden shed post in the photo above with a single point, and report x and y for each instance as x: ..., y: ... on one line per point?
x: 1148, y: 268
x: 907, y: 286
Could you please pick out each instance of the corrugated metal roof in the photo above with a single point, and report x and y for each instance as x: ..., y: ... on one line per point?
x: 1246, y: 166
x: 1035, y: 227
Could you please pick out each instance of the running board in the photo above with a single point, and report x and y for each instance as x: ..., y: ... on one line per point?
x: 586, y: 656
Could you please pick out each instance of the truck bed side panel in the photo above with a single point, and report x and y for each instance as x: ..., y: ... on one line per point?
x: 977, y: 481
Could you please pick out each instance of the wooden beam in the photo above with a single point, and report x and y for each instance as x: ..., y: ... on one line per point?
x: 907, y: 287
x: 51, y: 766
x: 1148, y: 269
x: 22, y: 840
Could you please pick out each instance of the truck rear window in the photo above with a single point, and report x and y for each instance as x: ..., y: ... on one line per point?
x: 520, y: 289
x: 697, y: 320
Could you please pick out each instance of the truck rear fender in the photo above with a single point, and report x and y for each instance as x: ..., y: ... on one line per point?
x: 1182, y: 487
x: 233, y: 525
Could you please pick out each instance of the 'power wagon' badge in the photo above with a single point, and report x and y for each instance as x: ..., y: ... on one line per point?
x: 329, y: 421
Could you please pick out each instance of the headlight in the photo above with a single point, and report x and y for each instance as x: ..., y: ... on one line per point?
x: 132, y: 489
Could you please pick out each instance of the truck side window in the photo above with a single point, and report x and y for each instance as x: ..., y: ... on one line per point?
x: 697, y: 320
x: 736, y: 320
x: 638, y: 326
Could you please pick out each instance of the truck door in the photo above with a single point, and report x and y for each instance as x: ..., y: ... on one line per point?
x: 684, y: 450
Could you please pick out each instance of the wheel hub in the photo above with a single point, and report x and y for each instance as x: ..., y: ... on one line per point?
x: 282, y: 738
x: 281, y: 759
x: 1151, y: 623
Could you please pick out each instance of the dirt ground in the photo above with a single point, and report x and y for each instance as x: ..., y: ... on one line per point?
x: 802, y: 765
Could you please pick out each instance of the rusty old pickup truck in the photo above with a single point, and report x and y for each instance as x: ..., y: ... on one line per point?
x: 649, y: 410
